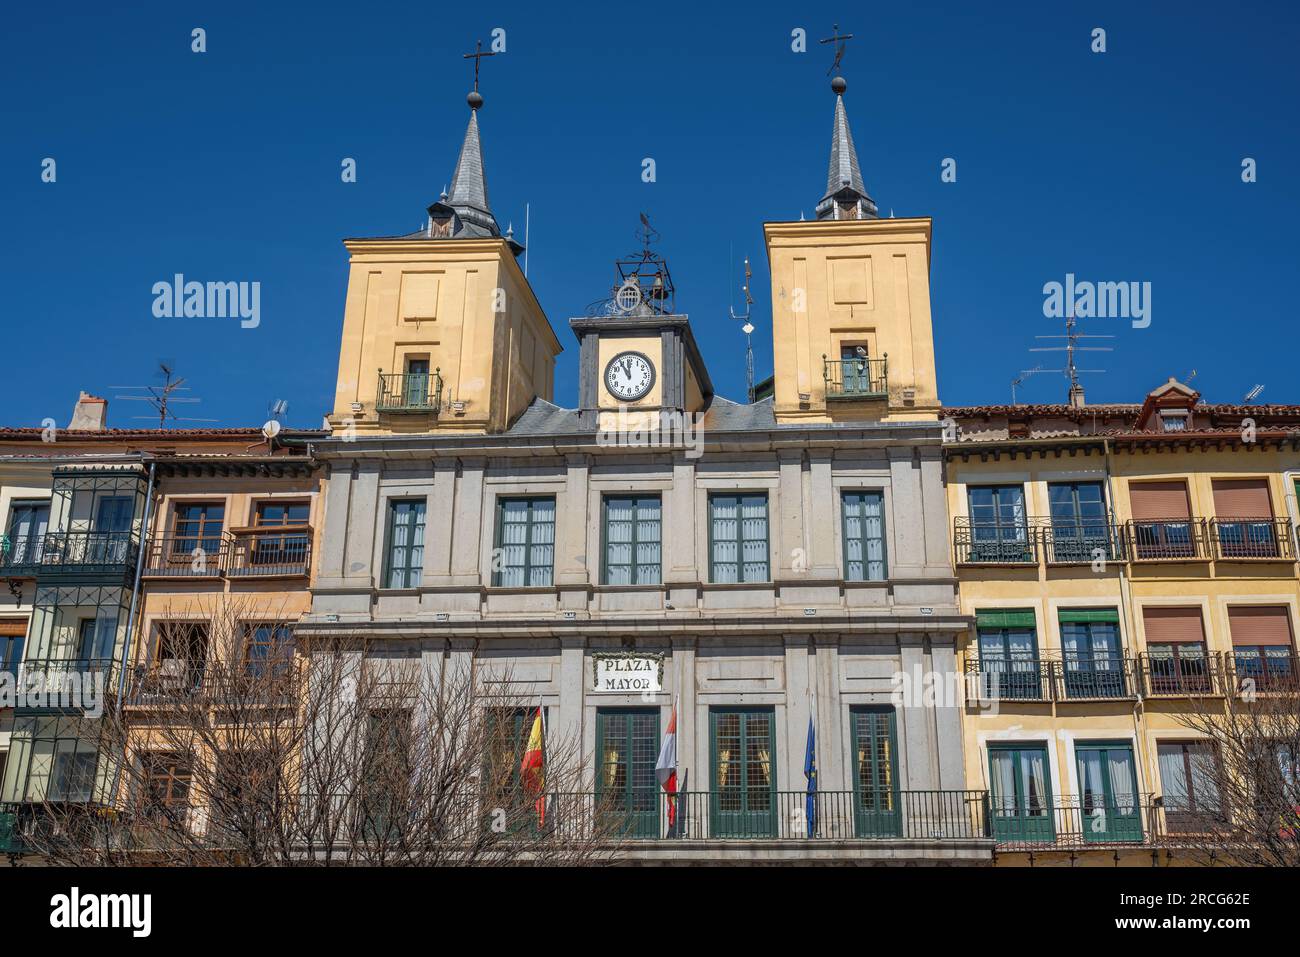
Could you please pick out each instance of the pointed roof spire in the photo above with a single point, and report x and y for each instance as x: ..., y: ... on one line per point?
x: 468, y: 195
x: 846, y: 195
x: 463, y: 211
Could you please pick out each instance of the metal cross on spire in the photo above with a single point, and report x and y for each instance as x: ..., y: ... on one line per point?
x: 477, y: 56
x: 839, y: 40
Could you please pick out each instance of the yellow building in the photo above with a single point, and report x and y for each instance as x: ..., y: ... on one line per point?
x: 1125, y: 565
x: 441, y: 330
x: 851, y: 305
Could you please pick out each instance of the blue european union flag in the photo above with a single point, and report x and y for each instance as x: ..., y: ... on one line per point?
x: 810, y: 772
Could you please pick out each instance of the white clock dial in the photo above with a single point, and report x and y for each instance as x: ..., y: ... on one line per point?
x: 629, y: 376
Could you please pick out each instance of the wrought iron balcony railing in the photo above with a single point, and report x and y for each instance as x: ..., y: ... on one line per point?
x: 410, y: 392
x: 1009, y: 679
x: 1239, y: 539
x: 182, y: 682
x: 856, y: 378
x: 1258, y: 672
x: 1096, y: 678
x: 981, y: 543
x: 266, y: 553
x: 20, y: 556
x: 1181, y: 675
x: 1168, y: 539
x: 84, y: 551
x: 1029, y: 822
x: 185, y: 556
x: 66, y: 684
x: 761, y: 814
x: 1082, y: 542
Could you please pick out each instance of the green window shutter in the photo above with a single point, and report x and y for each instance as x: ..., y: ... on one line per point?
x: 1090, y: 615
x: 1005, y: 618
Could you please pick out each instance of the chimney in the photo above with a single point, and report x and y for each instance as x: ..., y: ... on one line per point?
x: 1076, y: 396
x: 90, y: 414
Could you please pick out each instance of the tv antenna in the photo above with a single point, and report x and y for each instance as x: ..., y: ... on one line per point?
x: 747, y: 329
x: 1020, y: 380
x: 162, y: 397
x: 1072, y: 370
x: 1252, y: 395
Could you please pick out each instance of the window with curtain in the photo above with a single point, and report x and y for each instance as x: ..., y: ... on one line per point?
x: 743, y: 776
x: 1108, y: 798
x: 999, y: 525
x: 1079, y: 521
x: 627, y: 747
x: 1020, y: 793
x: 738, y: 536
x: 28, y: 524
x: 1008, y: 655
x: 1189, y: 775
x: 525, y: 555
x: 864, y: 536
x: 1093, y: 660
x: 405, y: 543
x: 632, y: 539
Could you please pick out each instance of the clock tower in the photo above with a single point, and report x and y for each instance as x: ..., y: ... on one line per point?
x: 637, y: 357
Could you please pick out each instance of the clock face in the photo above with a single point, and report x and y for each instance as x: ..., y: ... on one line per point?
x: 629, y: 376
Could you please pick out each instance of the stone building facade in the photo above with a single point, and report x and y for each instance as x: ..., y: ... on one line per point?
x: 764, y: 562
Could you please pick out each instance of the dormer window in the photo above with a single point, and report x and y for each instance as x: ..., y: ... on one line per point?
x: 1173, y: 420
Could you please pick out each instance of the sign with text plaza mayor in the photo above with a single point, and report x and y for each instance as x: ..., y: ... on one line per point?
x: 627, y: 673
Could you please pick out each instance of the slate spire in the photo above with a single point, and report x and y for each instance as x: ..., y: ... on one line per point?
x: 846, y: 195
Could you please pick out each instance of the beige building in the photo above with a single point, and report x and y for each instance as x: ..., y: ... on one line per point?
x: 767, y: 563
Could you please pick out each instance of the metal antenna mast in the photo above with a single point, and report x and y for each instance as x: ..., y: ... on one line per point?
x: 748, y: 329
x: 1071, y: 370
x: 161, y: 397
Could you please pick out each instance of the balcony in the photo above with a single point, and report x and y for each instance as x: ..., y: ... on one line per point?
x: 1249, y: 673
x: 856, y: 379
x: 411, y: 392
x: 20, y: 556
x: 1009, y: 679
x: 979, y: 543
x: 282, y: 552
x: 1096, y: 678
x: 1181, y: 676
x: 179, y: 556
x: 179, y: 682
x: 775, y: 816
x: 66, y: 684
x: 84, y: 553
x: 1252, y: 539
x: 1165, y: 540
x: 1029, y: 824
x: 1082, y: 542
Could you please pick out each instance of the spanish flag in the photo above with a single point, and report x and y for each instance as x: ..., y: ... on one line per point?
x: 532, y: 771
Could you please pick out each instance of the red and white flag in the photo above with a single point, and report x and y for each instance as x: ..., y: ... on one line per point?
x: 666, y: 766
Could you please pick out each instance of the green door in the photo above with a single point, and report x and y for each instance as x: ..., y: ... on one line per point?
x: 743, y: 802
x: 876, y: 799
x: 1108, y: 798
x: 1020, y: 794
x: 627, y: 747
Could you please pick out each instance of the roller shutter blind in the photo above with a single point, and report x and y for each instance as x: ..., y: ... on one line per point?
x: 1242, y: 499
x: 1168, y: 625
x: 1259, y: 625
x: 1151, y: 501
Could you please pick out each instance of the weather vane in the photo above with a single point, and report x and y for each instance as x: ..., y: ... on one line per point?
x: 838, y: 39
x: 475, y: 100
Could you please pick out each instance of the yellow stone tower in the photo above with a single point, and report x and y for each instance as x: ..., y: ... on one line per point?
x: 441, y: 330
x: 851, y: 324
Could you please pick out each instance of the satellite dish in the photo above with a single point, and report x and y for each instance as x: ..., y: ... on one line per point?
x: 271, y: 429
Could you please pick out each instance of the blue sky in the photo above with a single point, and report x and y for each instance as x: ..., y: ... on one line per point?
x: 1122, y: 166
